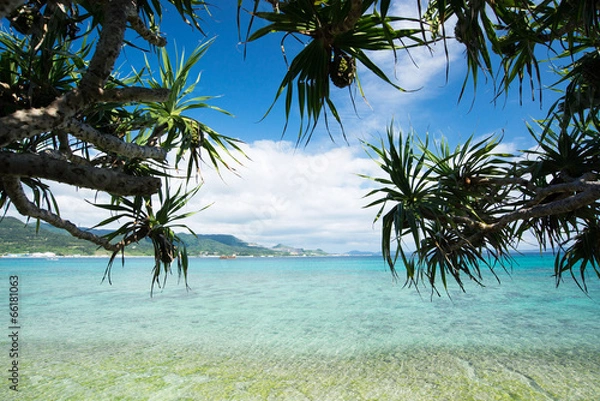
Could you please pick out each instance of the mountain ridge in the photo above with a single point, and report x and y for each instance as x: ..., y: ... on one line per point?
x: 17, y: 237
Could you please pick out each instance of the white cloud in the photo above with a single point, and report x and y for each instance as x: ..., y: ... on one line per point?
x: 292, y: 196
x: 298, y: 197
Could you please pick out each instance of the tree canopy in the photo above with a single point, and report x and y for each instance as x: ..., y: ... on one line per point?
x: 69, y: 115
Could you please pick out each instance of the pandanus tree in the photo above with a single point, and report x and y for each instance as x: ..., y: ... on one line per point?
x: 447, y: 213
x: 335, y: 35
x: 470, y: 207
x: 67, y: 115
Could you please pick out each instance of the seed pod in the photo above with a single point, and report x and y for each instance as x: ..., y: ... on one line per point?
x: 197, y: 138
x: 460, y: 31
x: 342, y: 69
x: 23, y: 20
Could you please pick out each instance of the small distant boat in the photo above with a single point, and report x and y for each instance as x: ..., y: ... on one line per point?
x: 227, y: 257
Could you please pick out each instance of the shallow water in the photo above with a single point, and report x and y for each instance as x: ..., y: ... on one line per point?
x: 298, y: 329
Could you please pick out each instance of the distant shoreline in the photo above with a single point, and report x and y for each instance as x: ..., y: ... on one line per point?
x: 45, y: 256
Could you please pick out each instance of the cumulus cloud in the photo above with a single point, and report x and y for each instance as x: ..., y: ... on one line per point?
x: 295, y: 196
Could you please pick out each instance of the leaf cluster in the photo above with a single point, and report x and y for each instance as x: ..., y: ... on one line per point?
x: 441, y: 201
x: 470, y: 207
x: 143, y: 222
x: 330, y: 32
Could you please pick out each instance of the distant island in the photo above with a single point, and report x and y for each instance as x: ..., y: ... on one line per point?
x: 19, y: 238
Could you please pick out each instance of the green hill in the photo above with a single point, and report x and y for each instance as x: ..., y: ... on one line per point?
x: 20, y: 238
x: 17, y: 237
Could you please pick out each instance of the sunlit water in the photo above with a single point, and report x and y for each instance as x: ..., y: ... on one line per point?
x: 297, y: 329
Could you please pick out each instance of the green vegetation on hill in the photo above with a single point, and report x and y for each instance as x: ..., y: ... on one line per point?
x: 17, y: 237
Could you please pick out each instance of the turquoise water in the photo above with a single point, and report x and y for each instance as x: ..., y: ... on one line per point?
x: 297, y: 329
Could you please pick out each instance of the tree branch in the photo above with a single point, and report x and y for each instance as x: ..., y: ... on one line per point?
x: 108, y: 48
x: 109, y: 143
x: 135, y: 94
x: 151, y: 37
x: 506, y: 181
x: 589, y: 193
x: 114, y: 182
x: 14, y: 190
x: 577, y: 185
x: 30, y: 122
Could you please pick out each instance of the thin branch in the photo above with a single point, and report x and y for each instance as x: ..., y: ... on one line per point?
x: 589, y: 195
x: 63, y: 144
x: 114, y: 182
x: 577, y: 185
x: 135, y: 94
x: 566, y: 205
x: 151, y: 37
x: 109, y: 143
x: 14, y: 190
x: 506, y: 181
x: 474, y: 224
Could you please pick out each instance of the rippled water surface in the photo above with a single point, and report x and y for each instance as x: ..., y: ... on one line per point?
x: 297, y: 329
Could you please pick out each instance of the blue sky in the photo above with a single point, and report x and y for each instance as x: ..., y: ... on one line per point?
x: 248, y: 86
x: 311, y: 196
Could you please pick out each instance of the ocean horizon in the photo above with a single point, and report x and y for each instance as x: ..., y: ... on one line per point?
x: 308, y: 328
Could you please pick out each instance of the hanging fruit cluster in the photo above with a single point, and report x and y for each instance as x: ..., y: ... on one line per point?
x: 342, y: 69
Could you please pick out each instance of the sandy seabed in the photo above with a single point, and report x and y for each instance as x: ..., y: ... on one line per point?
x: 105, y: 371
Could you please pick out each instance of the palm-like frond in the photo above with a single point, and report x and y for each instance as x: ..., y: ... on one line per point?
x: 187, y: 9
x: 36, y: 78
x: 337, y: 35
x: 581, y: 252
x: 174, y: 125
x: 143, y: 222
x: 442, y: 200
x: 411, y: 193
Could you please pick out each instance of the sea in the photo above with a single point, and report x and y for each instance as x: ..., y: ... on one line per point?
x: 331, y: 328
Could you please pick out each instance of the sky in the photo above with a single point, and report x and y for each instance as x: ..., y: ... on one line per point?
x: 312, y: 196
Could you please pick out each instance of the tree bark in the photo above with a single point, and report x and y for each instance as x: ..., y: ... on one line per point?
x: 153, y: 38
x: 134, y: 94
x: 109, y: 143
x: 109, y: 46
x: 587, y: 192
x: 27, y: 123
x: 114, y: 182
x: 14, y: 190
